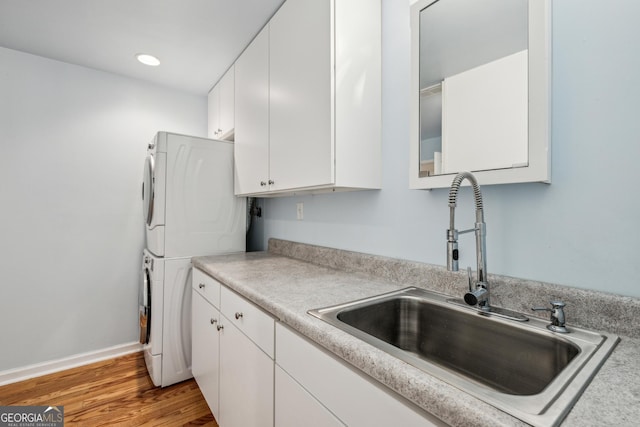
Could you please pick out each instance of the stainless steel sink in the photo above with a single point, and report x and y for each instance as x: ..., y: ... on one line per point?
x: 519, y: 367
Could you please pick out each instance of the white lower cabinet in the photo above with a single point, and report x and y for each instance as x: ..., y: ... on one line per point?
x: 296, y: 407
x: 246, y: 381
x: 206, y: 349
x: 255, y: 372
x: 349, y: 395
x: 232, y: 358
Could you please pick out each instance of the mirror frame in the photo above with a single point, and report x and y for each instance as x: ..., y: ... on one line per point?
x: 539, y: 134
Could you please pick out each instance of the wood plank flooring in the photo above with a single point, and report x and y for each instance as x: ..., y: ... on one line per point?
x: 116, y: 392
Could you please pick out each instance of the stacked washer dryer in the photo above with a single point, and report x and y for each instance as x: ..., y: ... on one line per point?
x: 190, y: 210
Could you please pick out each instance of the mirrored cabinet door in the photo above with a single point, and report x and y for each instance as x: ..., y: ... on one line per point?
x: 480, y: 91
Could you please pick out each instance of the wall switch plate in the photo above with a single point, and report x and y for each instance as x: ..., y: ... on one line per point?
x: 300, y: 210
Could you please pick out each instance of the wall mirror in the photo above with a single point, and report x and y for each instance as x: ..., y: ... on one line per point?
x: 480, y: 91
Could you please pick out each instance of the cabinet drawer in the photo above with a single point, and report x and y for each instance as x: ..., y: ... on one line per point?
x: 354, y: 398
x: 206, y: 286
x: 252, y: 321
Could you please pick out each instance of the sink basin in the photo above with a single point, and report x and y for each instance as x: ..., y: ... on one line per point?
x: 509, y: 360
x: 519, y: 367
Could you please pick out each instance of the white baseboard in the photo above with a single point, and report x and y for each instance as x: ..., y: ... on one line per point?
x: 39, y: 369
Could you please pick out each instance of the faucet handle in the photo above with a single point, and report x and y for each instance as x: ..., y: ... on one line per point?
x: 470, y: 279
x: 557, y: 316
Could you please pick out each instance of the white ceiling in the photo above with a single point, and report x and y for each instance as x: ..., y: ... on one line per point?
x: 196, y: 40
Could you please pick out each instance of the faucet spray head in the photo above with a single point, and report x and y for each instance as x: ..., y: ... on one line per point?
x: 452, y: 250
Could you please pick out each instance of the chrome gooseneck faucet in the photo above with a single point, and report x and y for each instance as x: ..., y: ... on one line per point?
x: 478, y: 294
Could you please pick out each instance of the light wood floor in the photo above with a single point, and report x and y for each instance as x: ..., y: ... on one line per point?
x: 116, y: 392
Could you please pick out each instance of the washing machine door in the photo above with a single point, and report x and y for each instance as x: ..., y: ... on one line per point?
x: 148, y: 190
x: 145, y: 306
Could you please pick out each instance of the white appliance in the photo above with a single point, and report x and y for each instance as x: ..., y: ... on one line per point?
x: 190, y: 210
x: 189, y: 205
x: 166, y: 325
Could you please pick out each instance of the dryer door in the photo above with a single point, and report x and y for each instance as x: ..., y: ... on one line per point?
x: 145, y: 306
x: 148, y: 191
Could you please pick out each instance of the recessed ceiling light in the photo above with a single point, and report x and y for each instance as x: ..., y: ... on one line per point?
x: 147, y: 59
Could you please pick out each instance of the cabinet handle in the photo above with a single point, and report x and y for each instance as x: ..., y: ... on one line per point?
x: 214, y: 320
x: 262, y: 183
x: 238, y: 315
x: 220, y: 327
x: 271, y: 182
x: 201, y: 285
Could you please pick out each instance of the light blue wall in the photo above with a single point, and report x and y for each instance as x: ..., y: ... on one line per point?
x: 582, y: 230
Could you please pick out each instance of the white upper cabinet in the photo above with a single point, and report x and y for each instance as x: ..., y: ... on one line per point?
x: 251, y: 148
x: 318, y: 63
x: 221, y: 101
x: 301, y: 119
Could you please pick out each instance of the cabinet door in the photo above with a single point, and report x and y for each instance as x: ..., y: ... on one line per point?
x: 246, y: 381
x: 205, y: 344
x: 213, y: 112
x: 227, y: 97
x: 300, y: 71
x: 296, y: 407
x: 251, y: 148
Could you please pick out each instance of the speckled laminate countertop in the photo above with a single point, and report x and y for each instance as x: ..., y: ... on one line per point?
x: 284, y: 284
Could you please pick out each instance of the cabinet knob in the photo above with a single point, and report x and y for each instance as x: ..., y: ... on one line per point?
x: 238, y: 315
x: 213, y: 321
x: 262, y: 183
x: 271, y: 182
x: 219, y: 327
x: 201, y: 285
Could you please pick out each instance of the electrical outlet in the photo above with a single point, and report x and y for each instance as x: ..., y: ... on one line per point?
x: 300, y: 210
